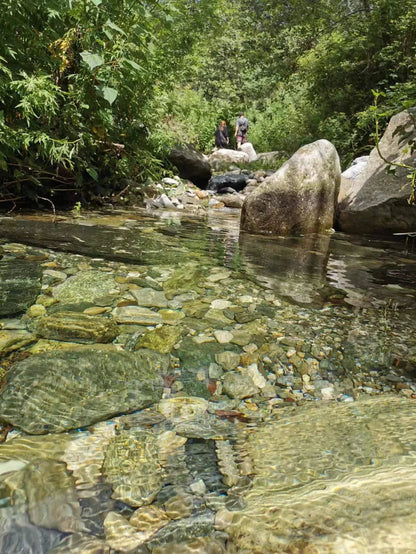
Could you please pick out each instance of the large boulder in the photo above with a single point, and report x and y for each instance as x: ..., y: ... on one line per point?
x: 223, y: 158
x: 349, y: 175
x: 299, y: 198
x: 248, y: 148
x: 375, y: 200
x: 191, y: 165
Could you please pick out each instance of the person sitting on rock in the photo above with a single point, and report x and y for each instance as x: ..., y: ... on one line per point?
x: 241, y: 129
x: 221, y: 135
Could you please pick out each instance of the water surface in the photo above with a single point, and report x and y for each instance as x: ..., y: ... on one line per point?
x: 279, y: 412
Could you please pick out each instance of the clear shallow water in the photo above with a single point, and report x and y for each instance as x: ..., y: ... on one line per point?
x: 289, y: 383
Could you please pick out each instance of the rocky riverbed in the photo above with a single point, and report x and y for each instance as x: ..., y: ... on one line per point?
x: 162, y: 395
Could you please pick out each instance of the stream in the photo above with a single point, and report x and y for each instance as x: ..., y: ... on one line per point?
x: 171, y: 385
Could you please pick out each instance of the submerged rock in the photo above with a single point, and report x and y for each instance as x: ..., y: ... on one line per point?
x: 13, y: 340
x: 71, y: 326
x: 332, y: 478
x: 81, y: 544
x: 20, y: 285
x: 59, y: 510
x: 68, y: 389
x: 132, y: 466
x: 161, y: 339
x: 86, y: 286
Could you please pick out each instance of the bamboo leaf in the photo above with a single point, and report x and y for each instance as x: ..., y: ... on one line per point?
x: 92, y: 172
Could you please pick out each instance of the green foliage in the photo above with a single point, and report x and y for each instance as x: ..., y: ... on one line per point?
x: 77, y: 87
x: 393, y: 165
x: 94, y: 92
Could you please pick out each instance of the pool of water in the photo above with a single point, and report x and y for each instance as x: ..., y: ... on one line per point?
x: 169, y: 384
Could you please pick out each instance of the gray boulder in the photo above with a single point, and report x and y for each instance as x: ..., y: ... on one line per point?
x: 223, y: 158
x: 299, y: 198
x: 67, y: 389
x: 375, y: 201
x: 191, y: 165
x: 272, y: 158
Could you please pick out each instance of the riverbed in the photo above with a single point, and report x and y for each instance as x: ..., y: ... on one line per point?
x: 170, y: 384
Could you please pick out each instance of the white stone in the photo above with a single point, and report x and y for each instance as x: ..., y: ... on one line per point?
x: 198, y: 487
x: 220, y: 304
x: 256, y: 376
x: 223, y: 337
x: 328, y: 393
x: 170, y: 181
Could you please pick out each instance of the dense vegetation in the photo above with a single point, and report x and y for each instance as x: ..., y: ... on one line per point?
x: 94, y: 92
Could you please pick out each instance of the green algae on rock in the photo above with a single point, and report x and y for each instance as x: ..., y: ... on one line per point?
x: 20, y: 284
x: 71, y: 326
x: 68, y: 389
x: 161, y: 339
x: 86, y: 286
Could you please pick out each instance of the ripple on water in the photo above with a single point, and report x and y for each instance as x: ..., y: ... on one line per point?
x: 331, y: 479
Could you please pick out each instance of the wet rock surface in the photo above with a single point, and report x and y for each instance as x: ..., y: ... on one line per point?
x: 20, y: 284
x: 67, y: 389
x: 347, y: 464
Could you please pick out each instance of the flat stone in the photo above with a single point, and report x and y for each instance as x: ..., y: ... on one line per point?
x: 86, y: 286
x: 217, y: 317
x: 121, y: 535
x: 228, y: 360
x: 220, y: 304
x: 150, y: 298
x: 182, y: 281
x: 161, y: 339
x: 219, y: 275
x: 68, y: 389
x: 132, y: 466
x: 136, y: 315
x: 149, y: 519
x: 171, y: 317
x: 13, y: 340
x: 356, y: 457
x: 76, y: 327
x: 60, y: 510
x: 183, y: 408
x: 239, y: 385
x: 223, y: 337
x: 95, y: 310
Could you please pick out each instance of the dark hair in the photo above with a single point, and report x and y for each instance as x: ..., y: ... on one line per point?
x: 241, y: 113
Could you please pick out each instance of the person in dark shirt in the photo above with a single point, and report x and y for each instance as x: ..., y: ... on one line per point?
x: 221, y: 135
